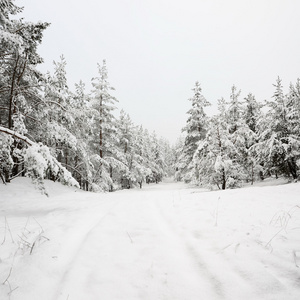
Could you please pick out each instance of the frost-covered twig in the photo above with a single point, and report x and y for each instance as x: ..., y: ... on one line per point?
x: 29, y: 244
x: 295, y: 259
x: 37, y: 240
x: 224, y: 248
x: 269, y: 242
x: 7, y: 228
x: 129, y: 237
x: 13, y: 177
x: 38, y: 224
x: 6, y: 281
x: 25, y: 242
x: 12, y: 290
x: 25, y: 228
x: 282, y: 218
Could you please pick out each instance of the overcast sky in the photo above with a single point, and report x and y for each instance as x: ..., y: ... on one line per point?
x: 156, y: 50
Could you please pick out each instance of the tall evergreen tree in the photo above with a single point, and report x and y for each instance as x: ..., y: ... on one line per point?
x: 195, y: 130
x: 252, y: 112
x: 125, y: 132
x: 80, y: 162
x: 241, y: 135
x: 278, y: 147
x: 59, y: 115
x: 19, y: 84
x: 234, y: 111
x: 293, y: 108
x: 215, y: 160
x: 104, y: 131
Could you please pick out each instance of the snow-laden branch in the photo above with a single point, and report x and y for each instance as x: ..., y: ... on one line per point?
x: 38, y: 160
x: 17, y: 135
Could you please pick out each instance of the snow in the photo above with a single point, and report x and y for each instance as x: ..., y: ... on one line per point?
x: 165, y: 241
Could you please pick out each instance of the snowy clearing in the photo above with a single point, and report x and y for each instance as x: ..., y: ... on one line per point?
x: 166, y: 241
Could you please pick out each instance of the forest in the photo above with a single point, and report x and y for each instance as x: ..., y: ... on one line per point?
x: 244, y: 142
x: 50, y: 131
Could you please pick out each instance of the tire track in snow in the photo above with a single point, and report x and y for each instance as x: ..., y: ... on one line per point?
x: 75, y: 243
x: 180, y: 264
x: 219, y: 272
x: 139, y: 251
x: 154, y: 265
x: 202, y: 267
x: 230, y: 278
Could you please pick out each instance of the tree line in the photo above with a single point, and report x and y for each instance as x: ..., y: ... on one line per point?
x: 75, y: 137
x: 245, y: 141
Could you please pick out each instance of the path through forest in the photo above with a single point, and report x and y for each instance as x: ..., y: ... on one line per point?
x: 165, y: 241
x: 134, y: 251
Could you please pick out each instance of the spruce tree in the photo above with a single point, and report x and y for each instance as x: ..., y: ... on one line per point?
x: 20, y: 103
x: 104, y: 132
x: 216, y: 160
x: 253, y: 118
x: 195, y: 130
x: 278, y: 147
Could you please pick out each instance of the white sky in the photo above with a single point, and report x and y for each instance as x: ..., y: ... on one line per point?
x: 157, y: 49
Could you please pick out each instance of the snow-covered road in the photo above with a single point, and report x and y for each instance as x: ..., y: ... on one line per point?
x: 165, y: 241
x: 135, y: 252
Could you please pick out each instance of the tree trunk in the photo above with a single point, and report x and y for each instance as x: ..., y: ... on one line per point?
x: 11, y: 95
x: 223, y: 180
x: 261, y: 175
x: 2, y: 178
x: 111, y: 175
x: 292, y: 168
x: 6, y: 176
x: 252, y: 174
x: 66, y: 156
x: 100, y: 127
x: 101, y: 140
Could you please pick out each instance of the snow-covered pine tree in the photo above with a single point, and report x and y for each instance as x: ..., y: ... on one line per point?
x: 252, y: 112
x: 59, y: 115
x: 215, y: 161
x: 104, y: 132
x: 178, y: 153
x: 22, y: 103
x: 253, y: 118
x: 125, y: 132
x: 234, y: 111
x: 278, y: 148
x: 195, y: 130
x: 19, y: 83
x: 293, y: 108
x: 241, y: 136
x: 157, y: 160
x: 168, y: 154
x: 142, y: 155
x: 213, y: 157
x: 147, y: 147
x: 79, y: 163
x: 293, y: 116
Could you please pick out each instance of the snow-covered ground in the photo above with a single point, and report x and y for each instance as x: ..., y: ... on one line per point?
x: 166, y: 241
